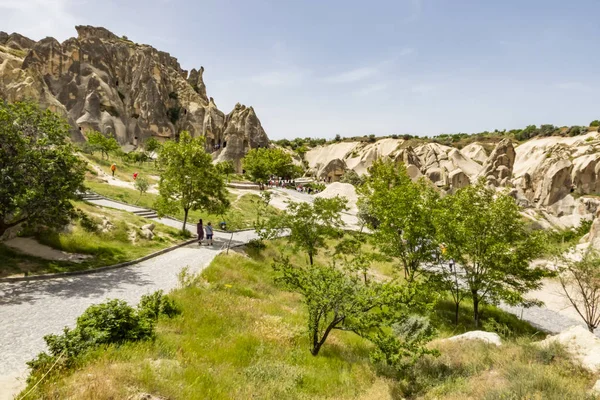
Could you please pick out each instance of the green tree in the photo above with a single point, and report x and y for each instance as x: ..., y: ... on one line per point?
x: 189, y: 180
x: 152, y: 145
x: 39, y: 172
x: 339, y: 299
x: 485, y: 234
x: 226, y: 168
x: 402, y: 210
x: 262, y: 163
x: 595, y: 123
x: 351, y: 176
x: 103, y: 143
x: 580, y: 281
x: 142, y: 185
x: 308, y: 225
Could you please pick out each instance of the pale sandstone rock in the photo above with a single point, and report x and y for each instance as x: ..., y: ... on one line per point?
x: 583, y: 345
x: 487, y: 337
x: 102, y: 82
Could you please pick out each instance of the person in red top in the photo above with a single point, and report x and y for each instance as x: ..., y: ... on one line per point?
x: 135, y: 174
x: 113, y: 168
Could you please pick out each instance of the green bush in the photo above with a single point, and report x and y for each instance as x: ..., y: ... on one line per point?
x: 111, y: 322
x: 87, y: 223
x: 153, y: 305
x: 595, y: 123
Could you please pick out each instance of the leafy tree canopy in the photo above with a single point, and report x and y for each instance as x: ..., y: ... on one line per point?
x: 189, y: 180
x: 39, y: 172
x: 262, y: 163
x: 105, y: 144
x: 402, y: 210
x: 486, y: 236
x: 308, y: 225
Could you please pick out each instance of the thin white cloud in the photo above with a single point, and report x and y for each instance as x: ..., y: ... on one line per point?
x: 373, y: 88
x: 354, y: 75
x: 289, y: 77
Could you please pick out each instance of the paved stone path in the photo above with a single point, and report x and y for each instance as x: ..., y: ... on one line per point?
x: 30, y: 310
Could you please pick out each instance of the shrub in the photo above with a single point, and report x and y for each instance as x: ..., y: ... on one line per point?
x: 87, y: 223
x: 153, y: 305
x: 111, y: 322
x: 595, y: 123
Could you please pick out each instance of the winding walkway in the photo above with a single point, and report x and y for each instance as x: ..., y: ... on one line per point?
x: 30, y: 310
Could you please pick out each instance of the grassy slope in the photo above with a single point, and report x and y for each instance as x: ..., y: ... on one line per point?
x: 107, y: 248
x: 240, y: 336
x: 241, y: 215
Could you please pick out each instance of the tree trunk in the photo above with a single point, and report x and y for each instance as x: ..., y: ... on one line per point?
x: 310, y: 257
x: 456, y: 310
x: 317, y: 344
x: 475, y: 309
x: 185, y: 217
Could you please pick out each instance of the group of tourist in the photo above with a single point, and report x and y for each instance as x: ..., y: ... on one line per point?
x: 209, y: 233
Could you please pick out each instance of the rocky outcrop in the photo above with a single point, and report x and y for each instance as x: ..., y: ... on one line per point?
x: 498, y: 168
x: 458, y: 179
x: 242, y: 132
x: 581, y: 344
x: 333, y: 171
x: 100, y: 81
x: 475, y: 152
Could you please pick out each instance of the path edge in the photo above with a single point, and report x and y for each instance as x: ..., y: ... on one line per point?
x: 99, y: 269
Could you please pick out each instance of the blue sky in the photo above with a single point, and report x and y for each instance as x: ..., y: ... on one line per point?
x: 319, y: 68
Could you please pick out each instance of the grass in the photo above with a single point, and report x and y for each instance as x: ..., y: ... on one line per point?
x: 105, y: 248
x: 240, y: 336
x: 125, y: 169
x: 240, y: 216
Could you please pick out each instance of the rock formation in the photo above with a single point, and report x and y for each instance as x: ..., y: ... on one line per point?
x: 103, y: 82
x: 498, y: 168
x: 553, y: 178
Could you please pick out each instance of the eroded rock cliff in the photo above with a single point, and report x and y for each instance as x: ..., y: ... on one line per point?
x: 100, y: 81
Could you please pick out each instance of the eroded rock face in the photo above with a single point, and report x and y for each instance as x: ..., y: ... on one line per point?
x: 499, y: 165
x: 103, y: 82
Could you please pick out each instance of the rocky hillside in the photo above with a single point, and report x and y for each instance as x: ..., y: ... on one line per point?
x: 556, y: 179
x: 103, y: 82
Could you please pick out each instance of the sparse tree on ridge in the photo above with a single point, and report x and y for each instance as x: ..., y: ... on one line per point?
x: 189, y: 180
x: 39, y: 171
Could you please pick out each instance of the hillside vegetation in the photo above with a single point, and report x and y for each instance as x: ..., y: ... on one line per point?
x: 240, y: 335
x: 121, y: 241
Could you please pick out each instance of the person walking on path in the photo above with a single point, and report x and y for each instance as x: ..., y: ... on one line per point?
x: 209, y: 234
x: 200, y: 232
x: 113, y: 168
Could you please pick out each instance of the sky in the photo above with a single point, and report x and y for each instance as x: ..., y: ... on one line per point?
x: 324, y: 67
